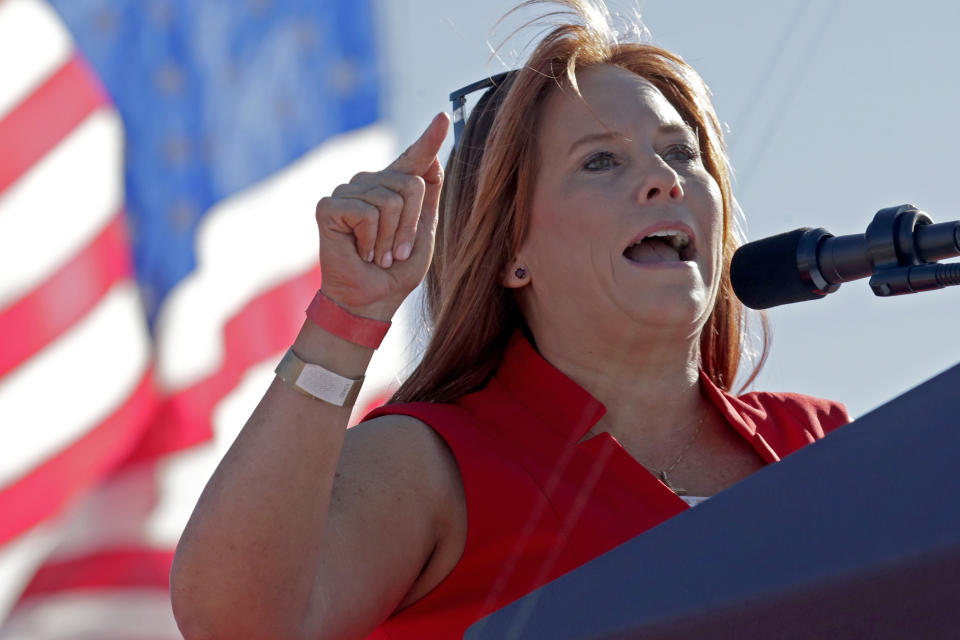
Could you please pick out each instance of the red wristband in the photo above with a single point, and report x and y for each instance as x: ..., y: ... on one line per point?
x: 330, y: 316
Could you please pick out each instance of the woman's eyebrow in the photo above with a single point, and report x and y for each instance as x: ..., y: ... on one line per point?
x: 597, y: 137
x: 681, y: 128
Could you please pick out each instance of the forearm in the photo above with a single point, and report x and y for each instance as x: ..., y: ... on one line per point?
x: 251, y: 548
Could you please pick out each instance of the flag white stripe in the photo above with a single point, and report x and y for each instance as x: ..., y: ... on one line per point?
x: 105, y: 615
x: 147, y: 505
x: 33, y: 44
x: 125, y: 501
x: 21, y: 557
x: 73, y: 383
x: 182, y: 475
x: 61, y: 203
x: 250, y: 242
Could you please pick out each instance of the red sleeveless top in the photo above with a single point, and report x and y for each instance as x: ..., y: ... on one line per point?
x: 539, y: 504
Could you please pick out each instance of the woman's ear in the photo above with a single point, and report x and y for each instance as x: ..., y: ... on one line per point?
x: 515, y: 275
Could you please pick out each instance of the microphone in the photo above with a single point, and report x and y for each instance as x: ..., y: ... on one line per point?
x: 898, y: 252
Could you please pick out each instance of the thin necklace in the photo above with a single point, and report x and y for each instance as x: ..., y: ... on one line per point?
x: 663, y: 474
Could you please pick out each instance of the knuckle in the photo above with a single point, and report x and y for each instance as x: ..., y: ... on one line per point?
x: 369, y: 216
x: 363, y: 176
x: 341, y: 189
x: 322, y: 206
x: 394, y: 203
x: 414, y: 185
x: 405, y: 232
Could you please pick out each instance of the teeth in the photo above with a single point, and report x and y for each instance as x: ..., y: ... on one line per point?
x: 678, y: 239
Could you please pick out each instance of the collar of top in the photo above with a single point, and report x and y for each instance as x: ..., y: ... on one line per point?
x: 568, y: 408
x: 555, y: 399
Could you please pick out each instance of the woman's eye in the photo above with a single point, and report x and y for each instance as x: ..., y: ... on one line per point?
x: 600, y: 162
x: 681, y: 153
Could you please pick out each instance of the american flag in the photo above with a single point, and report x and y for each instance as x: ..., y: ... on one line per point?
x: 159, y: 164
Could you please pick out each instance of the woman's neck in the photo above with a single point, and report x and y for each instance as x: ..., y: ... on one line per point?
x: 648, y: 384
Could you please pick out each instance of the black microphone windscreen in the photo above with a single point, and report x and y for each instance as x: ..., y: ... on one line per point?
x: 765, y: 273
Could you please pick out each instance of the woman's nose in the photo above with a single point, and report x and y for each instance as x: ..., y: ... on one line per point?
x: 660, y: 182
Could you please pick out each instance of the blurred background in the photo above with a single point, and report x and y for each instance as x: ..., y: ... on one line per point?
x: 159, y: 165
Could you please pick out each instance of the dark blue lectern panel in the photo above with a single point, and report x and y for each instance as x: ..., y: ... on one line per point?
x: 855, y: 536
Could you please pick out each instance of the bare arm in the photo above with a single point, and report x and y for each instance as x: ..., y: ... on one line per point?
x: 287, y: 539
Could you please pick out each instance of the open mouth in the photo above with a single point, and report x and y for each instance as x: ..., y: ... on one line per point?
x: 666, y: 245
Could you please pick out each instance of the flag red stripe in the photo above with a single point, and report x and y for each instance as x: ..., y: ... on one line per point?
x: 45, y: 489
x: 43, y: 119
x: 65, y: 296
x: 265, y: 326
x: 108, y: 569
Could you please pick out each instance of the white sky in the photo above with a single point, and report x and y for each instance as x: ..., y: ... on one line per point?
x: 836, y: 109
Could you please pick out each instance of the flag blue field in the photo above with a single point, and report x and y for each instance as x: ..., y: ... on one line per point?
x: 159, y: 170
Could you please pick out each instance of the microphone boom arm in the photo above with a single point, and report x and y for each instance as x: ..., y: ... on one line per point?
x: 898, y: 251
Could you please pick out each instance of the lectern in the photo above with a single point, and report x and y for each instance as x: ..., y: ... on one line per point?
x: 855, y: 536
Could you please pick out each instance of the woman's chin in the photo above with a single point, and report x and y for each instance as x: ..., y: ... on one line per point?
x: 672, y: 308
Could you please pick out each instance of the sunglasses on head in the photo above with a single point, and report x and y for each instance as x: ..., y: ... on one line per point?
x: 459, y: 100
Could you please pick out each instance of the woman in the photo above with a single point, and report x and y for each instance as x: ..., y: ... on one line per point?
x: 573, y: 393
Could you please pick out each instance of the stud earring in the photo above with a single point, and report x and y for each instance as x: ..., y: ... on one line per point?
x: 521, y: 273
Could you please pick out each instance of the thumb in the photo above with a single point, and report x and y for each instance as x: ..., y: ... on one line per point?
x: 429, y: 212
x: 420, y: 156
x: 433, y: 177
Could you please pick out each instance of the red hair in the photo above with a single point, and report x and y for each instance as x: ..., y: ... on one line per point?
x: 486, y: 203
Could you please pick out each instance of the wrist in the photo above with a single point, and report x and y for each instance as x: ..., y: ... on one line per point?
x: 316, y: 345
x: 363, y: 326
x: 382, y: 310
x: 318, y: 382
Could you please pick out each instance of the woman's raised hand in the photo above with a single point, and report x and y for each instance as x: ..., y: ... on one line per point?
x: 377, y: 231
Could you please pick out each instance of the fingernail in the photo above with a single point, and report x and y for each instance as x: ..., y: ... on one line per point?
x: 403, y: 251
x: 370, y: 257
x: 386, y: 260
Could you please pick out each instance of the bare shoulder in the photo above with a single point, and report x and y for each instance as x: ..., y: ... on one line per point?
x: 403, y: 448
x: 399, y: 472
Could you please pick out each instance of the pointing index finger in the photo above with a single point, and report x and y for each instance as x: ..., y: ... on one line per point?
x: 419, y: 156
